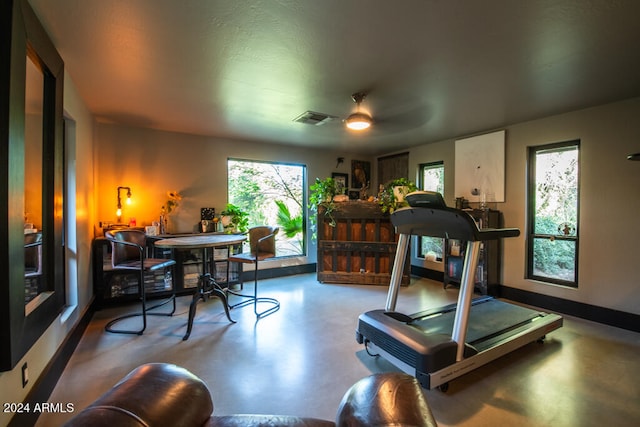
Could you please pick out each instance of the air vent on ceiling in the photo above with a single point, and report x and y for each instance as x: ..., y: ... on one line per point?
x: 313, y: 118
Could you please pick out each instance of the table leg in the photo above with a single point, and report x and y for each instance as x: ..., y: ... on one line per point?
x: 206, y: 287
x: 192, y: 312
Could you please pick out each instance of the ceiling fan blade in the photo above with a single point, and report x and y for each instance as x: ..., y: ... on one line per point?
x: 403, y: 118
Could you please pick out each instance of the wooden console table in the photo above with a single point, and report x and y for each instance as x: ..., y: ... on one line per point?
x: 360, y: 249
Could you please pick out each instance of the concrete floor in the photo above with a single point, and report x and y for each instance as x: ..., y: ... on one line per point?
x: 303, y: 358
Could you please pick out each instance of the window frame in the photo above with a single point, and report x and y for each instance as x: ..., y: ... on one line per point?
x: 532, y: 236
x: 421, y: 183
x: 304, y: 212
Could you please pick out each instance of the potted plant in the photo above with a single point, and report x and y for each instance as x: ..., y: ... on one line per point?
x: 234, y: 219
x: 321, y: 200
x: 392, y: 195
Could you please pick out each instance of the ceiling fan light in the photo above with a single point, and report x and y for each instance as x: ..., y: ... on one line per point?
x: 358, y: 121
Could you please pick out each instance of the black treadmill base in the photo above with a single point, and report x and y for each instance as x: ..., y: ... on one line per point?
x: 425, y: 343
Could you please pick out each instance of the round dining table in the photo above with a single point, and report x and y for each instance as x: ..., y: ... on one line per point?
x: 207, y: 286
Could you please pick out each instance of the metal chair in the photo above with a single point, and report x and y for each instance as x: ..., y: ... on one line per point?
x: 32, y: 265
x: 128, y: 253
x: 262, y: 244
x: 33, y: 255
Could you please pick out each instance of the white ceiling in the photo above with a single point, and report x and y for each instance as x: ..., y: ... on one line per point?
x: 433, y: 69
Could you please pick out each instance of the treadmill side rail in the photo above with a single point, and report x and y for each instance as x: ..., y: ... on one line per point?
x: 432, y: 378
x: 396, y: 274
x: 527, y: 335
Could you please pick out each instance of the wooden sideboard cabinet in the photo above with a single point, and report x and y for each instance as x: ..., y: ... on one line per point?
x: 360, y: 248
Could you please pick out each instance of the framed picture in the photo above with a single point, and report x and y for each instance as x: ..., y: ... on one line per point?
x: 342, y: 181
x: 480, y: 167
x: 360, y: 173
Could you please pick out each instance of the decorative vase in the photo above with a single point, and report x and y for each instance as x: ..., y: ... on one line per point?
x: 227, y: 224
x: 163, y: 224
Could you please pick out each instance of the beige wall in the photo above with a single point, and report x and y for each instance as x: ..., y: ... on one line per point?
x: 609, y: 203
x: 609, y: 200
x: 154, y: 162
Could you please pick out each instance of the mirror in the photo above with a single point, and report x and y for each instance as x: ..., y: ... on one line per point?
x: 32, y: 186
x: 33, y: 157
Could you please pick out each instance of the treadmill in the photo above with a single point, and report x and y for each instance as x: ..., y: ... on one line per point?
x: 441, y: 344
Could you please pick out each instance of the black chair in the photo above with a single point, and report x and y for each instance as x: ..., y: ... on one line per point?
x: 32, y: 265
x: 262, y: 244
x: 33, y: 255
x: 128, y: 253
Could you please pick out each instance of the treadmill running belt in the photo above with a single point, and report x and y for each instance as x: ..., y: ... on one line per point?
x: 485, y: 319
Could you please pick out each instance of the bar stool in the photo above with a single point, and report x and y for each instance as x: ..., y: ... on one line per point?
x: 129, y: 254
x: 262, y: 244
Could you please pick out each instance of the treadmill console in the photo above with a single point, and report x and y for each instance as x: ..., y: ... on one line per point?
x: 425, y: 199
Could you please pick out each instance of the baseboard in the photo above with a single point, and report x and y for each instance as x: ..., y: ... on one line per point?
x: 607, y: 316
x: 270, y: 273
x: 427, y: 273
x: 47, y: 381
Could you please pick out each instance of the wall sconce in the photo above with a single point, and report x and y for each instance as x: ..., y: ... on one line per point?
x: 119, y: 210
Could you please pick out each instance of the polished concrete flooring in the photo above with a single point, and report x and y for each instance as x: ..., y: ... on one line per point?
x: 303, y: 358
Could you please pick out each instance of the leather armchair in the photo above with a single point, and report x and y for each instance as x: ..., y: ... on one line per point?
x: 160, y: 394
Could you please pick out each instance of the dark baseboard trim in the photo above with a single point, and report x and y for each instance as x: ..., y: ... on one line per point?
x: 607, y: 316
x: 270, y: 273
x: 427, y: 273
x: 47, y: 381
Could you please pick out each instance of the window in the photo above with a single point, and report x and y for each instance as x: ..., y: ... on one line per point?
x: 431, y: 179
x: 272, y: 193
x: 553, y: 213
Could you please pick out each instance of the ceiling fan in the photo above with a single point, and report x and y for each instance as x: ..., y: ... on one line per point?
x: 410, y: 113
x: 404, y: 113
x: 358, y: 120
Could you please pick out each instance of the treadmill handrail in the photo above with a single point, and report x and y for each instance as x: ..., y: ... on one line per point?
x: 445, y: 222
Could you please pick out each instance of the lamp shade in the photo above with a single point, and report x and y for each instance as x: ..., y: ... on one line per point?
x: 358, y: 121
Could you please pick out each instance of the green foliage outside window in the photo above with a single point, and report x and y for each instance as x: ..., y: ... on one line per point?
x: 555, y: 240
x: 271, y: 194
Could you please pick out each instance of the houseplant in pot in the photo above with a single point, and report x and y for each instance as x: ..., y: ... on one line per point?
x: 392, y: 195
x: 234, y: 219
x: 321, y: 200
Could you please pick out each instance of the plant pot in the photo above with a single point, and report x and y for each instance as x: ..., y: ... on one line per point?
x: 227, y: 224
x: 399, y: 192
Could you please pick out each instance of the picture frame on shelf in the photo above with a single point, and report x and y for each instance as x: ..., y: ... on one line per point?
x: 342, y: 182
x: 360, y: 173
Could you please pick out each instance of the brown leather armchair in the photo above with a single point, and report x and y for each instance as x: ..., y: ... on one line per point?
x: 160, y: 394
